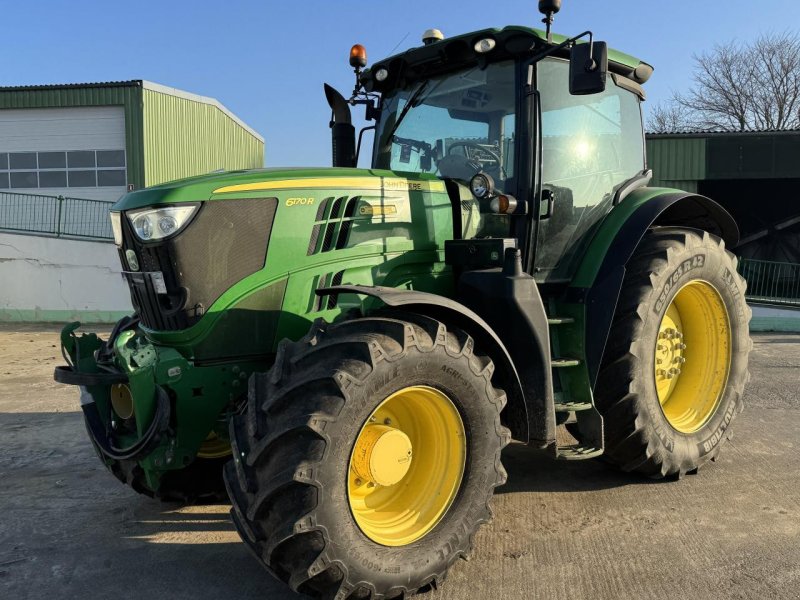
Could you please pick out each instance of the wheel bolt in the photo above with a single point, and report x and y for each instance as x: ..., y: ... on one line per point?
x: 679, y: 359
x: 680, y: 346
x: 660, y: 347
x: 674, y: 371
x: 387, y: 421
x: 678, y: 334
x: 358, y: 481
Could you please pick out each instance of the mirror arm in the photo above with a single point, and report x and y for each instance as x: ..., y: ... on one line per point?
x: 564, y: 44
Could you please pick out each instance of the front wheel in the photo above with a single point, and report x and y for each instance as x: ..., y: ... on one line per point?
x: 675, y: 365
x: 368, y: 457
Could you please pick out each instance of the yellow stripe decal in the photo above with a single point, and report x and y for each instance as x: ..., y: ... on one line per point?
x: 361, y: 183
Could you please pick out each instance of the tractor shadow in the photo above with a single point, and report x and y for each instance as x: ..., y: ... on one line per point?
x: 71, y: 530
x: 198, y: 547
x: 531, y: 470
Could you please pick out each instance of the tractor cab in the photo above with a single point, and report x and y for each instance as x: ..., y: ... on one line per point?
x: 537, y: 139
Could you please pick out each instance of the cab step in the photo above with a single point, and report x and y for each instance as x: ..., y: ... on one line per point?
x: 560, y: 363
x: 560, y: 320
x: 577, y: 452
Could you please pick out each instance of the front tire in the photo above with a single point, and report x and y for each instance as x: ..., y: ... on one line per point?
x: 316, y: 500
x: 675, y: 366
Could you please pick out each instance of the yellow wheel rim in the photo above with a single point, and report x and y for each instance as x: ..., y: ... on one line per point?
x: 214, y: 447
x: 692, y: 356
x: 406, y: 466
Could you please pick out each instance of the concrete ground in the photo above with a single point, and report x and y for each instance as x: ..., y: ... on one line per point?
x: 561, y: 530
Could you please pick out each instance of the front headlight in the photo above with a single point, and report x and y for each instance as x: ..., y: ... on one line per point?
x: 116, y: 227
x: 156, y: 223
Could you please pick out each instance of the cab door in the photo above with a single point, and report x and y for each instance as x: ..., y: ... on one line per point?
x: 590, y: 146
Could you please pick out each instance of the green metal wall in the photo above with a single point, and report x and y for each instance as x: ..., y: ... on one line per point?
x: 126, y: 94
x: 677, y: 162
x: 185, y: 137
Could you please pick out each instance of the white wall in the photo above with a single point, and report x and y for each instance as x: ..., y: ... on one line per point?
x: 52, y: 279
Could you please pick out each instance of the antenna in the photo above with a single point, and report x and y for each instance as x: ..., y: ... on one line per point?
x: 548, y: 8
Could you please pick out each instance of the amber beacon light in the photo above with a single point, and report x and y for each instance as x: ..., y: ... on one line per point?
x: 358, y: 56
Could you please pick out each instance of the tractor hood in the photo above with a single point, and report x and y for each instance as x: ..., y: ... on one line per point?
x: 262, y: 183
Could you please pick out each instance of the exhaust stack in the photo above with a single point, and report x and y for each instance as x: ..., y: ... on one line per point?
x: 343, y: 134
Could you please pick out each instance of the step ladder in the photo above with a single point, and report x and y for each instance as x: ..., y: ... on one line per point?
x: 584, y: 421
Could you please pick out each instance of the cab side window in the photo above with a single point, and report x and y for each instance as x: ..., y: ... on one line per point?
x: 590, y: 146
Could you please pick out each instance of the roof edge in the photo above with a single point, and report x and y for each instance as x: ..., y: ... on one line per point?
x: 171, y: 91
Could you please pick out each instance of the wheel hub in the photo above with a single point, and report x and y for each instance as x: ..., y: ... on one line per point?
x: 692, y: 356
x: 406, y: 466
x: 382, y: 455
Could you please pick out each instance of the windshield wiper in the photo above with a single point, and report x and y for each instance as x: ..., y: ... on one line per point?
x: 412, y: 102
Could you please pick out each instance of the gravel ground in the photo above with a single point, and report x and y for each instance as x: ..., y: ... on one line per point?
x: 561, y: 530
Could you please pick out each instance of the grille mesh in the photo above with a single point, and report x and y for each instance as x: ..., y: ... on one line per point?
x: 224, y: 243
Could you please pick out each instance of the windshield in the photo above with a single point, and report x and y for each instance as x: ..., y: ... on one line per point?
x: 453, y: 126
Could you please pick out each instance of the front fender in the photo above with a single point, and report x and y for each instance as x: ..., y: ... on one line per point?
x: 450, y: 311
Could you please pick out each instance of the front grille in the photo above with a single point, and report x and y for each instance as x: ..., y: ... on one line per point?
x: 225, y: 242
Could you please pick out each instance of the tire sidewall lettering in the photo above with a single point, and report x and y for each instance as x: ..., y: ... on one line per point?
x: 686, y: 266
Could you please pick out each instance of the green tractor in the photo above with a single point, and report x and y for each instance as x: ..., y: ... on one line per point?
x: 350, y: 350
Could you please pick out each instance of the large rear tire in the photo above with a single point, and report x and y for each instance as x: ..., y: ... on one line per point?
x: 675, y: 365
x: 321, y: 487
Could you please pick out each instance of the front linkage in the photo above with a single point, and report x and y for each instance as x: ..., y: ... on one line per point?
x: 157, y: 421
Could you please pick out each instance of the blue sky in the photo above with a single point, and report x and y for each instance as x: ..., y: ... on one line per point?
x: 267, y: 60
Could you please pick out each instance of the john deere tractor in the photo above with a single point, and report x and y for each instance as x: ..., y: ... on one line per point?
x: 354, y: 348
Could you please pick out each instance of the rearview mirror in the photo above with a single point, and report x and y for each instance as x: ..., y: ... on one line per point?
x: 588, y: 67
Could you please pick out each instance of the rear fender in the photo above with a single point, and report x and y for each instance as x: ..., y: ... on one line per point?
x: 598, y: 280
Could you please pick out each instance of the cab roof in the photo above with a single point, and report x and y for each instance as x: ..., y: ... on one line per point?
x: 511, y: 42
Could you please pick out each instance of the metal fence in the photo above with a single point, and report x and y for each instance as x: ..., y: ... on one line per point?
x: 55, y: 215
x: 771, y: 282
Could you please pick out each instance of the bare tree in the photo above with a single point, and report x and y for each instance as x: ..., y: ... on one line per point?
x: 776, y: 95
x: 668, y: 117
x: 739, y: 87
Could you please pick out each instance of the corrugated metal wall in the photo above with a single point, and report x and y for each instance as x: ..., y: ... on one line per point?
x: 677, y: 162
x: 129, y: 96
x: 184, y: 137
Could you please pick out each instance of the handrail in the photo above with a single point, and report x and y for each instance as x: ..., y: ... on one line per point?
x: 61, y: 216
x: 771, y: 282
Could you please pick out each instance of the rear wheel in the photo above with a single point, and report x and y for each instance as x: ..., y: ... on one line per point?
x: 675, y: 365
x: 367, y: 457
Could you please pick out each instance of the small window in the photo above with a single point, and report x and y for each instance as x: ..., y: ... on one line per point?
x: 110, y: 158
x: 24, y: 179
x: 111, y: 178
x: 80, y: 160
x: 3, y: 161
x: 82, y: 178
x: 52, y: 179
x: 52, y: 160
x: 3, y: 181
x: 23, y: 160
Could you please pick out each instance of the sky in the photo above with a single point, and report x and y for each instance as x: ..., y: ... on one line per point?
x: 267, y: 60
